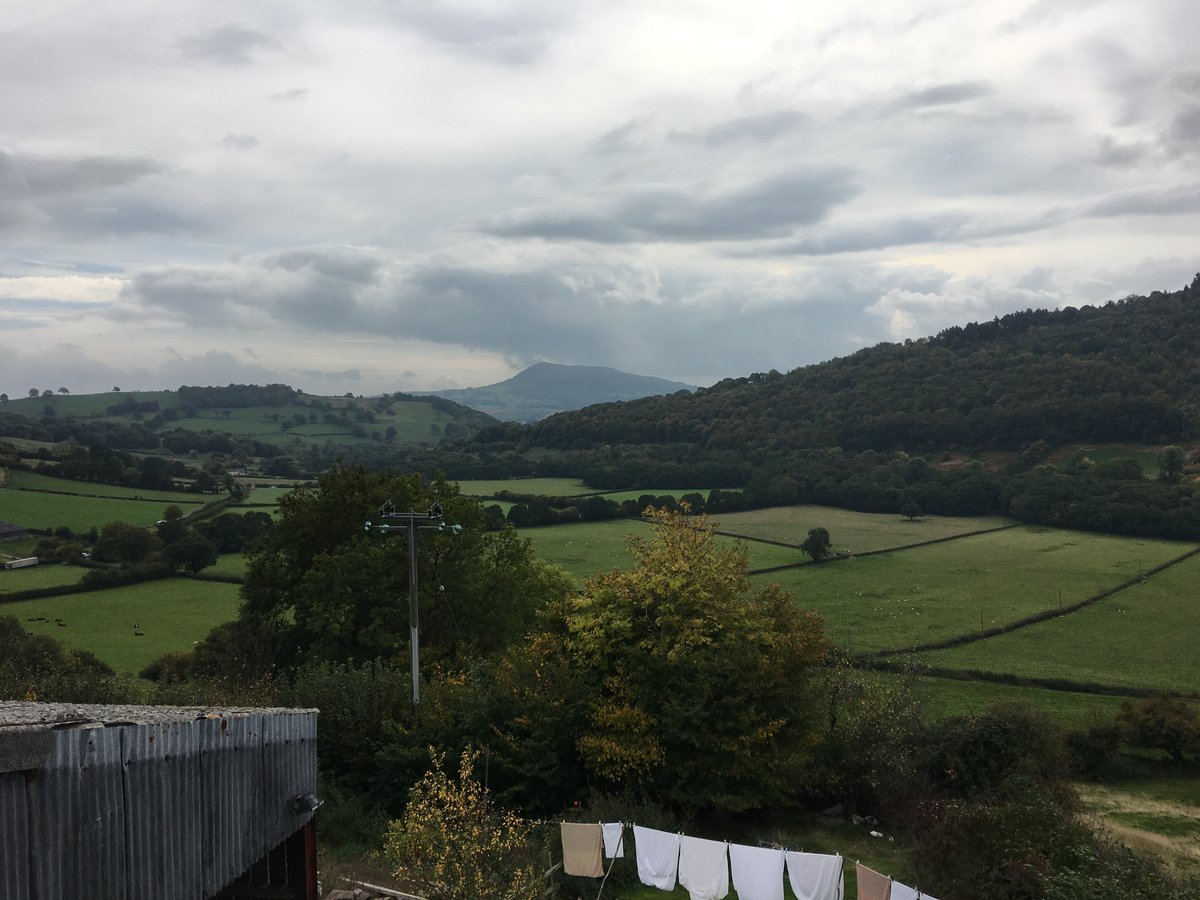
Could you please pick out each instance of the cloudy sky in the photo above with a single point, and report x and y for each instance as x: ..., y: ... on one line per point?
x: 377, y: 195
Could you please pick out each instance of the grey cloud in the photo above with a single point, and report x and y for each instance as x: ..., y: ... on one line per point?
x: 942, y: 95
x: 240, y: 141
x: 1184, y: 132
x: 231, y: 44
x: 320, y: 289
x: 1187, y: 82
x: 507, y: 36
x: 770, y: 208
x: 290, y: 94
x: 761, y: 128
x: 1111, y: 153
x: 45, y: 176
x: 354, y: 268
x: 123, y: 216
x: 1177, y: 201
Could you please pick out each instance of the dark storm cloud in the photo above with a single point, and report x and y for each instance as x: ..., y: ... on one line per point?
x: 770, y: 208
x: 44, y: 176
x: 760, y: 128
x: 231, y: 44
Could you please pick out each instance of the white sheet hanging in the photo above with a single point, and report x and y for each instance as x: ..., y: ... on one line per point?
x: 704, y: 868
x: 815, y: 876
x: 657, y: 857
x: 757, y: 872
x: 614, y: 840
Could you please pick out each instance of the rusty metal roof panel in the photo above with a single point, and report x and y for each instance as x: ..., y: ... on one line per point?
x: 15, y: 883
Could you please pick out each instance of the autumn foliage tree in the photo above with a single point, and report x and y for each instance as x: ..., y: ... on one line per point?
x: 456, y: 844
x: 697, y: 687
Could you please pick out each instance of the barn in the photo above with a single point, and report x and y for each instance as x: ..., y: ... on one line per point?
x: 133, y: 802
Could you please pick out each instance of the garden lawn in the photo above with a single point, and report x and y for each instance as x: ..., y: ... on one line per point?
x: 910, y: 597
x: 172, y: 613
x: 1147, y: 636
x: 850, y: 532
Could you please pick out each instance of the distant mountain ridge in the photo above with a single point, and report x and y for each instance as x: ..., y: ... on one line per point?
x: 547, y: 388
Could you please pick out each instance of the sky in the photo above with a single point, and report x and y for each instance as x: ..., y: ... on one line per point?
x: 407, y: 195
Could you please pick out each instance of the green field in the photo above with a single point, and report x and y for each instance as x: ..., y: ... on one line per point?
x: 851, y: 532
x: 84, y: 405
x: 171, y: 613
x: 228, y: 564
x: 943, y: 697
x: 34, y: 510
x: 33, y: 481
x: 544, y: 487
x: 588, y: 548
x: 910, y: 597
x: 1145, y: 636
x: 45, y: 576
x: 619, y: 496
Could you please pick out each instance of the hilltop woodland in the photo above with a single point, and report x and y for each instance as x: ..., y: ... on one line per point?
x: 677, y: 692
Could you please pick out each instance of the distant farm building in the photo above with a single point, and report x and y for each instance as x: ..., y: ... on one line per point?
x: 21, y: 563
x: 151, y: 802
x: 11, y: 532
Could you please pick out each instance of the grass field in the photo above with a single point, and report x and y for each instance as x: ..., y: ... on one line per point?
x: 851, y: 532
x: 943, y: 697
x: 588, y: 548
x: 34, y: 510
x: 546, y: 487
x: 619, y: 496
x: 33, y: 481
x: 228, y: 564
x: 84, y: 405
x: 171, y: 614
x: 57, y: 575
x: 901, y: 599
x: 1145, y: 636
x: 1146, y: 457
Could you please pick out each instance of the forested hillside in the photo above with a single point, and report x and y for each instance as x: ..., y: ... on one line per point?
x: 1126, y: 371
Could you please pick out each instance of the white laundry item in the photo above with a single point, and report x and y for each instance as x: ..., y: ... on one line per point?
x: 815, y: 876
x: 614, y: 840
x: 657, y: 857
x: 904, y: 892
x: 704, y: 868
x: 757, y: 872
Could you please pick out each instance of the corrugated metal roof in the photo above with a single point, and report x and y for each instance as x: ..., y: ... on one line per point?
x: 148, y: 802
x: 15, y: 883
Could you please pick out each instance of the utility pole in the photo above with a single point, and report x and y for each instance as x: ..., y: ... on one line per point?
x: 392, y: 522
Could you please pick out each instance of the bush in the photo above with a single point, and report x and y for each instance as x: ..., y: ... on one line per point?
x: 457, y: 845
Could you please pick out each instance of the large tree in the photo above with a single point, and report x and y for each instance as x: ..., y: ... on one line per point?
x: 332, y: 591
x: 696, y: 688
